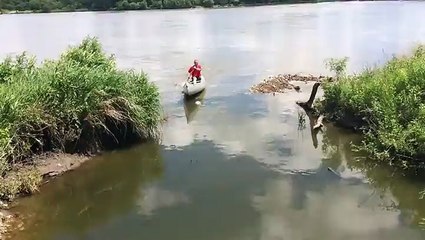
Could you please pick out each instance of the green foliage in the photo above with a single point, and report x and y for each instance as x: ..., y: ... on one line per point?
x: 338, y: 66
x: 156, y: 5
x: 207, y: 3
x: 132, y: 5
x: 72, y: 5
x: 24, y: 181
x: 78, y: 103
x: 175, y: 4
x: 235, y: 2
x: 43, y: 5
x: 388, y: 103
x: 222, y: 2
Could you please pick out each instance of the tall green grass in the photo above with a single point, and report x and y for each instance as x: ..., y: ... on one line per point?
x: 79, y: 103
x: 387, y: 104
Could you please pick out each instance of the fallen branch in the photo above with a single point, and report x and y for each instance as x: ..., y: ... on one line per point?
x: 319, y: 123
x: 307, y: 106
x: 315, y: 122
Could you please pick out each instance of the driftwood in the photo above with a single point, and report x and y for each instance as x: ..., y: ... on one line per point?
x: 307, y: 106
x: 319, y: 123
x: 316, y: 120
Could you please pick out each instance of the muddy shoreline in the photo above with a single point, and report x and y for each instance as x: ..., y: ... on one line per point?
x: 49, y: 165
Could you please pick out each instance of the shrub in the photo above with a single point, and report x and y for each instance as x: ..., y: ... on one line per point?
x: 388, y: 103
x: 25, y: 180
x: 235, y: 2
x: 175, y: 4
x: 79, y: 103
x: 156, y: 5
x: 208, y: 3
x: 338, y: 66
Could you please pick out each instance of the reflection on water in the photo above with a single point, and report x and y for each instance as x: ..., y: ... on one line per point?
x: 291, y: 203
x: 88, y: 198
x: 397, y: 191
x: 192, y: 105
x: 263, y: 127
x: 236, y: 166
x: 153, y: 198
x: 231, y: 181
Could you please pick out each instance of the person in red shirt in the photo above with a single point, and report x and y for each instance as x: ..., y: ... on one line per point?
x: 195, y: 71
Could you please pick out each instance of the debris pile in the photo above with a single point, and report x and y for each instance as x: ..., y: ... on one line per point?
x: 283, y: 81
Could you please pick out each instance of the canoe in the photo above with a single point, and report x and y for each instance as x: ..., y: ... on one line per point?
x: 195, y: 87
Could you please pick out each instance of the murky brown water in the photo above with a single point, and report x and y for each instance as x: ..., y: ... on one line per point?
x: 239, y: 166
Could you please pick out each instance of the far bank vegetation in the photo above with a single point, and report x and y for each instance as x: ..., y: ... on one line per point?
x: 104, y: 5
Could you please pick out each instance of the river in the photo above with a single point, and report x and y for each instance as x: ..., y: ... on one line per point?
x: 239, y: 166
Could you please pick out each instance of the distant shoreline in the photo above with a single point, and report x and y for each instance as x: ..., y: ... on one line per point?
x: 3, y: 11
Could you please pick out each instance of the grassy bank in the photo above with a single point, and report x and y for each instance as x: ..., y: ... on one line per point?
x: 80, y: 103
x: 386, y: 103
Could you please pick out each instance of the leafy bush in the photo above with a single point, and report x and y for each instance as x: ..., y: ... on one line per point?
x: 156, y: 5
x: 79, y: 103
x: 176, y: 4
x: 222, y: 2
x: 132, y: 5
x: 24, y: 181
x: 388, y: 103
x: 338, y: 66
x: 235, y: 2
x: 208, y: 3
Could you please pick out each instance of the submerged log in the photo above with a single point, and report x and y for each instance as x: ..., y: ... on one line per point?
x: 316, y: 122
x: 319, y: 123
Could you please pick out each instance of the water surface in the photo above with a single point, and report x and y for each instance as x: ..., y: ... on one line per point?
x: 239, y: 166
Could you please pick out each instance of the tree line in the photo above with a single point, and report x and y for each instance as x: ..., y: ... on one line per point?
x: 103, y: 5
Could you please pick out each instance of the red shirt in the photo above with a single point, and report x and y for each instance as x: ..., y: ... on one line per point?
x: 195, y: 71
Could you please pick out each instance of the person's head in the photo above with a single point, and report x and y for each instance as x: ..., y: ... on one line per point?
x: 195, y: 62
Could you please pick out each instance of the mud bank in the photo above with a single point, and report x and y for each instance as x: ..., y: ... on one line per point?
x: 48, y: 165
x: 54, y: 164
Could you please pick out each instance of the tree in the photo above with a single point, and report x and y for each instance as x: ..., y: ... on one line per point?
x: 208, y: 3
